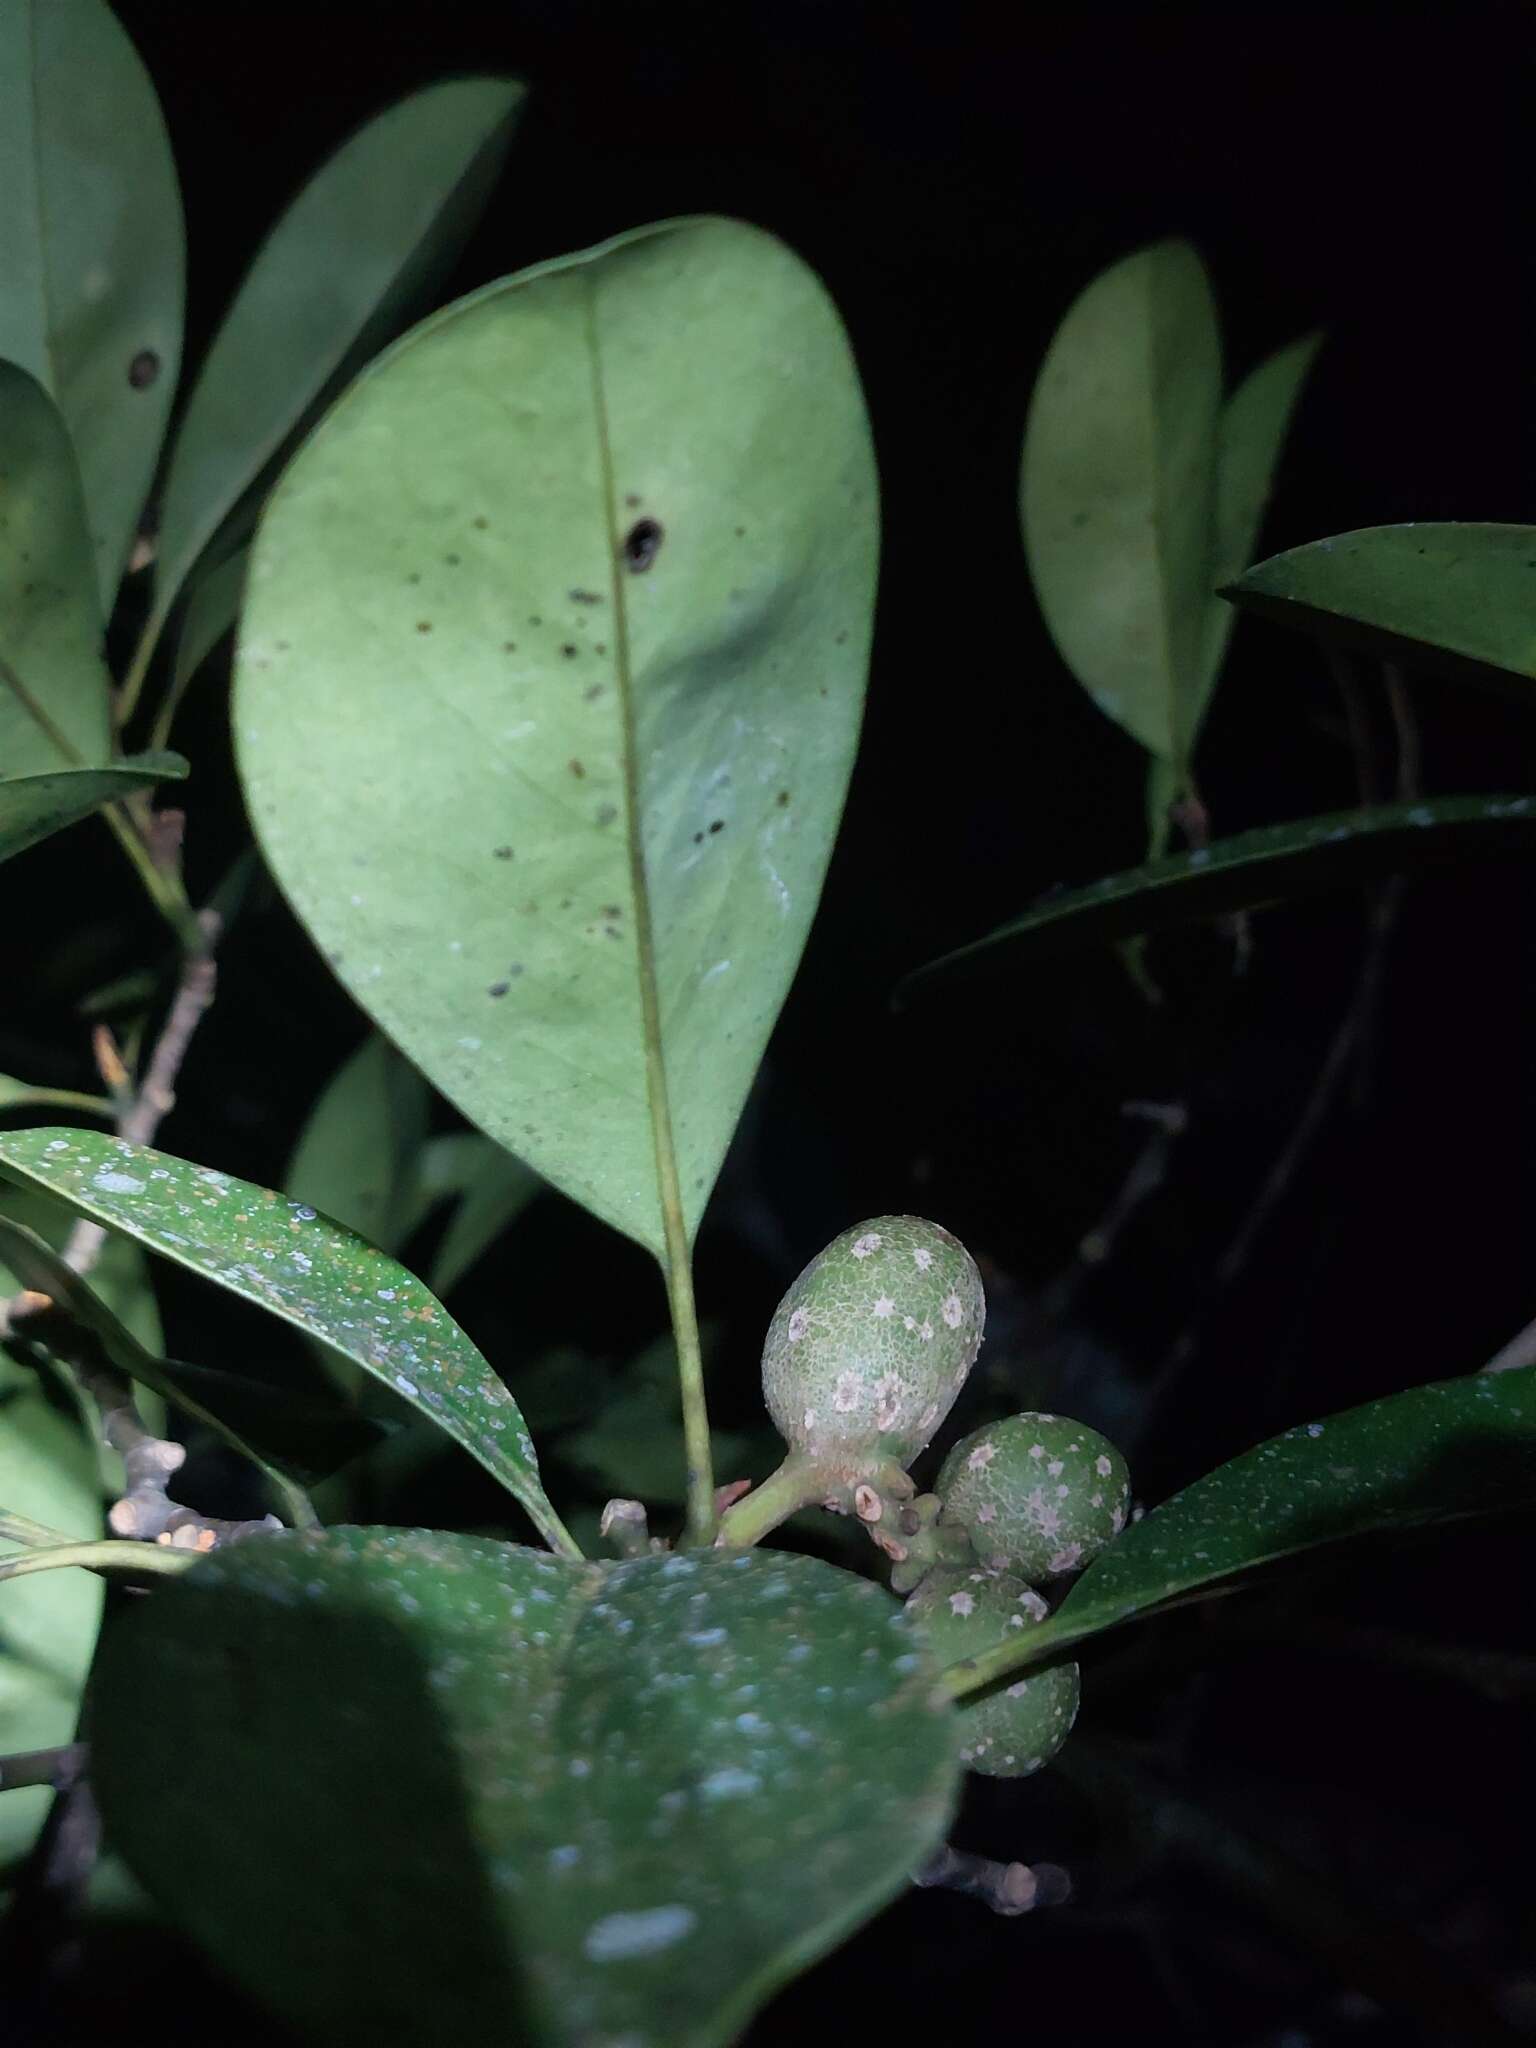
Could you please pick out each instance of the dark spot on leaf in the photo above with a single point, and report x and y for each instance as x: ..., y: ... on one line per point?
x: 568, y: 650
x: 585, y: 597
x: 534, y: 619
x: 423, y: 625
x: 503, y: 853
x: 144, y: 369
x: 642, y: 544
x: 839, y: 638
x: 498, y: 988
x: 509, y: 647
x: 783, y: 798
x: 577, y: 770
x: 606, y: 813
x: 613, y: 910
x: 631, y: 499
x: 591, y: 696
x: 515, y: 969
x: 414, y: 577
x: 741, y: 533
x: 601, y: 646
x: 717, y: 825
x: 698, y: 838
x: 452, y: 561
x: 282, y: 646
x: 1079, y: 518
x: 481, y: 523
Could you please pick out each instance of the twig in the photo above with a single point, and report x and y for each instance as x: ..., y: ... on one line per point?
x: 1008, y: 1888
x: 57, y: 1768
x: 1148, y: 1171
x: 1520, y: 1350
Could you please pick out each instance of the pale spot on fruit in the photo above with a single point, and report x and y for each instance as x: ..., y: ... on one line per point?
x: 952, y: 1312
x: 845, y: 1395
x: 925, y: 1331
x: 870, y: 1242
x: 1102, y: 1466
x: 1056, y: 1467
x: 799, y: 1323
x: 883, y: 1308
x: 981, y: 1458
x: 986, y: 1514
x: 922, y: 1259
x: 961, y: 1604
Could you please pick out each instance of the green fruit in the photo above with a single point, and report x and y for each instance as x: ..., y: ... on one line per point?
x: 871, y: 1344
x: 1037, y: 1494
x: 1020, y: 1727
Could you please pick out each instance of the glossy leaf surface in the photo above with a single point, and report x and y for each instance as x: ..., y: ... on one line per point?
x: 637, y: 1797
x: 1437, y: 1453
x: 1457, y: 596
x: 34, y: 806
x: 548, y: 686
x: 311, y: 1272
x: 365, y: 235
x: 91, y: 251
x: 1253, y: 869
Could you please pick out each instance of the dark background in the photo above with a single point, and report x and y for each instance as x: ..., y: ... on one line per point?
x: 956, y: 179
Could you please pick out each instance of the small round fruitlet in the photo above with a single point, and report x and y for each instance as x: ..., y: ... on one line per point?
x: 868, y: 1349
x: 1038, y: 1494
x: 1019, y: 1727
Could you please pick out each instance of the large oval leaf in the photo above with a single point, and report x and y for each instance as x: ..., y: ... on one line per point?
x: 1253, y: 869
x: 548, y: 687
x: 1458, y: 596
x: 299, y: 1265
x: 48, y: 1626
x: 91, y: 250
x: 370, y: 231
x: 34, y: 806
x: 55, y: 690
x: 1438, y: 1453
x: 1118, y: 488
x: 521, y: 1799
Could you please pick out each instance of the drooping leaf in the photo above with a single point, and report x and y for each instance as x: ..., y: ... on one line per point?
x: 55, y: 691
x: 548, y: 688
x: 47, y: 1629
x: 365, y: 238
x: 1254, y: 423
x: 1118, y: 489
x: 1253, y: 869
x: 1438, y: 1453
x: 491, y: 1188
x: 91, y: 251
x: 208, y: 614
x: 356, y: 1155
x: 34, y: 806
x: 637, y: 1797
x: 1458, y: 596
x: 311, y: 1272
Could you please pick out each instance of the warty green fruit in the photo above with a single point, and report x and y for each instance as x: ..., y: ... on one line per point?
x: 1038, y: 1494
x: 1019, y: 1727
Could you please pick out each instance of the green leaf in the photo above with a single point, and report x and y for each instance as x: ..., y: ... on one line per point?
x: 1438, y: 1453
x: 47, y: 1628
x: 1118, y: 489
x: 1458, y: 596
x: 492, y: 1189
x: 209, y: 613
x: 1253, y: 427
x: 368, y: 235
x: 356, y: 1154
x: 55, y: 692
x: 637, y: 1797
x: 1254, y: 869
x: 633, y: 1445
x: 91, y: 250
x: 305, y: 1269
x: 34, y: 806
x: 548, y: 688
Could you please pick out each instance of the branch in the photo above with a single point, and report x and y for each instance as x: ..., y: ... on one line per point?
x: 57, y: 1768
x: 1008, y: 1888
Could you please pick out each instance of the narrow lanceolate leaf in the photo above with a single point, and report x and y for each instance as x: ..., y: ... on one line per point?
x: 91, y: 250
x: 636, y: 1797
x: 55, y: 690
x: 356, y: 1155
x: 290, y: 1437
x: 1438, y: 1453
x: 490, y: 1189
x: 1118, y: 488
x: 1253, y: 869
x: 1456, y: 596
x: 367, y: 236
x: 33, y: 806
x: 548, y: 687
x: 48, y: 1627
x: 299, y: 1265
x: 1254, y: 423
x: 209, y: 613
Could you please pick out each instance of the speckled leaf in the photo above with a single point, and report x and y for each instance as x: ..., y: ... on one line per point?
x: 548, y: 685
x: 299, y: 1265
x: 91, y: 250
x: 55, y: 691
x: 1118, y: 487
x: 34, y: 806
x: 490, y: 1188
x: 356, y: 1154
x: 1438, y: 1453
x: 366, y: 238
x: 1458, y: 597
x: 1253, y: 869
x: 47, y: 1624
x: 635, y: 1797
